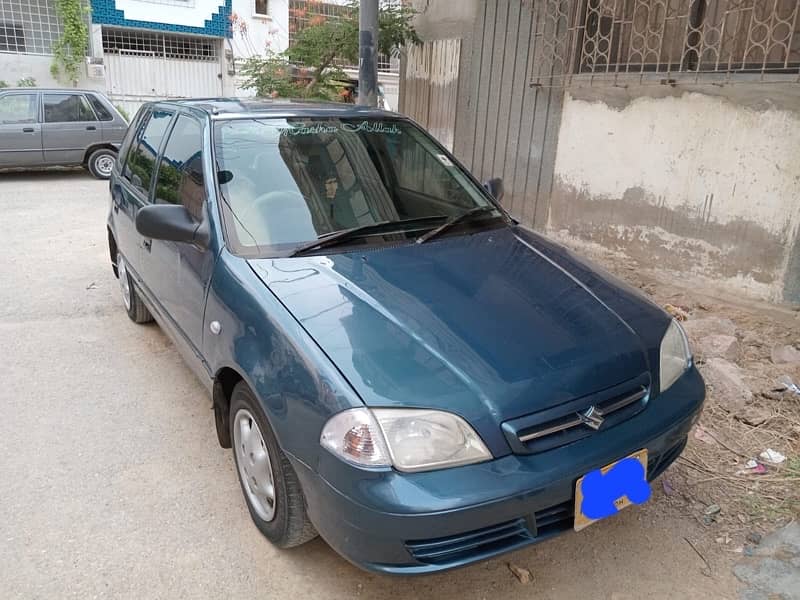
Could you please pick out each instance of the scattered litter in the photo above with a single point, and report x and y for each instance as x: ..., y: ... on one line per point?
x: 677, y: 312
x: 754, y: 537
x: 787, y: 385
x: 726, y: 539
x: 748, y: 551
x: 91, y: 286
x: 520, y: 573
x: 710, y: 514
x: 701, y: 434
x: 668, y: 489
x: 742, y: 518
x: 752, y: 467
x: 772, y: 456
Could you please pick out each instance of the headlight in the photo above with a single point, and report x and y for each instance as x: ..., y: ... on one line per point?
x: 407, y: 439
x: 676, y: 356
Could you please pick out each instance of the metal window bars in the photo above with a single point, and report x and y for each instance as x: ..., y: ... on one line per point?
x: 28, y: 26
x: 702, y: 40
x: 137, y: 42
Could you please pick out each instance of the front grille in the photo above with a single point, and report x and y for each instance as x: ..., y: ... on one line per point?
x: 472, y: 545
x: 577, y: 419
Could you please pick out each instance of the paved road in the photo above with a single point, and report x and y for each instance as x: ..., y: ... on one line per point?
x: 112, y: 484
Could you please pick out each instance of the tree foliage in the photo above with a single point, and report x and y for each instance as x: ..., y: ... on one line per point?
x: 320, y: 47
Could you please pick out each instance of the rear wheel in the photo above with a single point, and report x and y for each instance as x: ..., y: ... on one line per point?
x: 134, y: 306
x: 269, y: 484
x: 101, y: 163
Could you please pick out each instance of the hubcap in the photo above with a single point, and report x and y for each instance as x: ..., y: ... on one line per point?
x: 104, y: 165
x: 124, y: 284
x: 255, y: 467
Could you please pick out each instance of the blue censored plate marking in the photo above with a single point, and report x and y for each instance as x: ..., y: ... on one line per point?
x: 607, y: 491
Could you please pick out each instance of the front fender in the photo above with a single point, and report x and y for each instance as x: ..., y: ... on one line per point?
x: 298, y: 386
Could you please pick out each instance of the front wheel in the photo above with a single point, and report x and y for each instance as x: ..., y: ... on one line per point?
x: 269, y: 484
x: 134, y: 306
x: 101, y: 163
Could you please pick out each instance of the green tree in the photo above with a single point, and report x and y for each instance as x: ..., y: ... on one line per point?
x: 319, y: 46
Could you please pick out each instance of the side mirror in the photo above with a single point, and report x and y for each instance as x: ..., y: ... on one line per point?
x: 170, y: 222
x: 495, y: 188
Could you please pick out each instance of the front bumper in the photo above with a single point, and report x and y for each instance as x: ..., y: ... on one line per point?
x: 403, y: 523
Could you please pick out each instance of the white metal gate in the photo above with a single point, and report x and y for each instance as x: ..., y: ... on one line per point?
x: 142, y: 66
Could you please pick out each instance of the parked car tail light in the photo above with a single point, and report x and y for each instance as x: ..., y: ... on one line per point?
x: 676, y: 355
x: 408, y: 439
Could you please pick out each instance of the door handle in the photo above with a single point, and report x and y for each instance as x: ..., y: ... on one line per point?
x: 147, y: 245
x: 28, y: 130
x: 91, y: 128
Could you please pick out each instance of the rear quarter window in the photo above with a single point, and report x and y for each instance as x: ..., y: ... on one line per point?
x: 102, y: 111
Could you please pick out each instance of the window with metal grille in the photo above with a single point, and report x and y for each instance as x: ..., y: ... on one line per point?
x: 688, y: 35
x: 613, y: 37
x: 12, y: 38
x: 136, y: 42
x: 29, y: 26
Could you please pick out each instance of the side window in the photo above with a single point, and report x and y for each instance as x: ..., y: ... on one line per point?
x: 19, y: 108
x: 67, y: 108
x: 102, y: 112
x: 142, y: 159
x: 180, y: 173
x: 131, y: 135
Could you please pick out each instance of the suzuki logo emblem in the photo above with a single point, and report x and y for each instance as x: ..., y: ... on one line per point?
x: 591, y: 417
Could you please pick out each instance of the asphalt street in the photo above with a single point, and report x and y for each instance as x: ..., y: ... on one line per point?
x: 112, y: 484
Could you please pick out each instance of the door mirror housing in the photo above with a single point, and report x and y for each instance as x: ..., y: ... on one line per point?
x: 172, y: 223
x: 495, y: 188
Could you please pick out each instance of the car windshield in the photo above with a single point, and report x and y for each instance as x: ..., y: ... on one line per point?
x: 286, y: 182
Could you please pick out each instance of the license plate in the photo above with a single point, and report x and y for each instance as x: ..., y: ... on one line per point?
x: 582, y: 520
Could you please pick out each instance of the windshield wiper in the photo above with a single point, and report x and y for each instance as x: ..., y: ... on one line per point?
x: 346, y: 235
x: 478, y: 211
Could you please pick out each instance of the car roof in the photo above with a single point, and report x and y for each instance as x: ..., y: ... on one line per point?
x: 50, y: 90
x: 233, y: 108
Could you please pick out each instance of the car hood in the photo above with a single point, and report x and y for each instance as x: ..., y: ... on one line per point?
x: 483, y: 325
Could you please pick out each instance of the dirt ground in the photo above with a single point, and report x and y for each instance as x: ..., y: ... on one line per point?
x: 113, y: 485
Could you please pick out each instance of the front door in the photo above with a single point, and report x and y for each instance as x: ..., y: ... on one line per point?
x: 20, y: 131
x: 135, y: 184
x: 177, y: 273
x: 69, y: 128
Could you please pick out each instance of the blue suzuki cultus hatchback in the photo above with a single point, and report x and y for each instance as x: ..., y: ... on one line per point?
x: 398, y: 365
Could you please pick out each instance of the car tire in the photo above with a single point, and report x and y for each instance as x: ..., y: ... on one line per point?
x: 101, y: 163
x: 258, y: 458
x: 131, y: 300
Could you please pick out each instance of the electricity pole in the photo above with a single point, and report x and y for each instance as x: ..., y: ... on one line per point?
x: 368, y: 53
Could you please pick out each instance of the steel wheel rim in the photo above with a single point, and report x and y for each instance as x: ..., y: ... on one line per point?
x: 104, y: 165
x: 124, y: 283
x: 254, y: 464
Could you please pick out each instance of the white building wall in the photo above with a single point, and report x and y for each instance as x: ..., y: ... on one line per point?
x: 193, y: 13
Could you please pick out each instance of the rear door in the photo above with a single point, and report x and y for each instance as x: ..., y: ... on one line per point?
x: 20, y: 130
x: 177, y: 273
x: 69, y: 128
